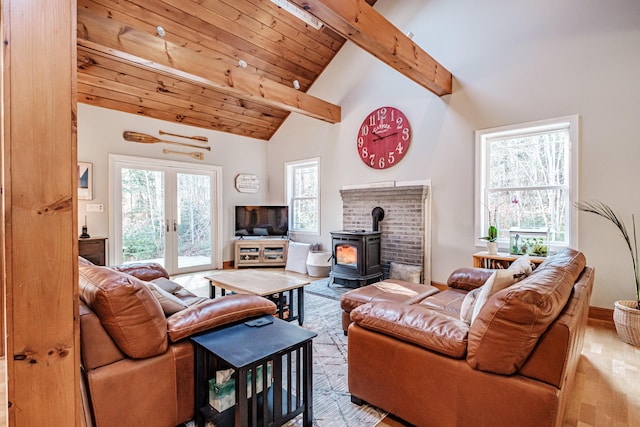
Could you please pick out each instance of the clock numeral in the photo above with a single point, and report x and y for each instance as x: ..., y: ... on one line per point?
x: 405, y: 134
x: 381, y: 163
x: 360, y: 141
x: 399, y: 148
x: 364, y: 131
x: 382, y: 114
x: 391, y: 157
x: 399, y: 122
x: 365, y: 153
x: 372, y: 159
x: 372, y: 120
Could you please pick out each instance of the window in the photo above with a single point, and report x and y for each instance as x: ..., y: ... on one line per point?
x: 303, y: 194
x: 526, y: 177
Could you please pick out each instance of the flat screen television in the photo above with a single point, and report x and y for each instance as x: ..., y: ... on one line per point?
x: 262, y: 221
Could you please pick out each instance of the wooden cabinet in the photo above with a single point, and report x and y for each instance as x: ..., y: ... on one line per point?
x: 93, y: 249
x: 261, y: 253
x: 482, y: 259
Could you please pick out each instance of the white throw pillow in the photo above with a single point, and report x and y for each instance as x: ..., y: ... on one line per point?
x: 297, y: 257
x: 522, y: 265
x: 469, y: 302
x: 498, y: 281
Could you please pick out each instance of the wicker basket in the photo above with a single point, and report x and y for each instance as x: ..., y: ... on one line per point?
x: 627, y: 320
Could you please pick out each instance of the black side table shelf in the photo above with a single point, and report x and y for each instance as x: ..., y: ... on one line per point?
x: 286, y: 346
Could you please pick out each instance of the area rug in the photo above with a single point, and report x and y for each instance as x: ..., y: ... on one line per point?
x: 325, y: 288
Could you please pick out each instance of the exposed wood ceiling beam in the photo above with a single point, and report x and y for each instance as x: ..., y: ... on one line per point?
x: 148, y: 51
x: 357, y: 21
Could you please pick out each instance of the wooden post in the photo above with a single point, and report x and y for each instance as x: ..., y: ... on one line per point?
x: 40, y: 213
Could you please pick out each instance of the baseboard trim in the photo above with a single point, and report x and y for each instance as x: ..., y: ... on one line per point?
x: 599, y: 313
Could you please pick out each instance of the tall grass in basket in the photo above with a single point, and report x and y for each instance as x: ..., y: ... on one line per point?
x: 603, y: 210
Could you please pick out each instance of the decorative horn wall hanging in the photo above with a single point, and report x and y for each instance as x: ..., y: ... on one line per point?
x: 202, y: 139
x: 148, y: 139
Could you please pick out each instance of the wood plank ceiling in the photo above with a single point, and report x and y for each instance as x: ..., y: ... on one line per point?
x: 193, y: 74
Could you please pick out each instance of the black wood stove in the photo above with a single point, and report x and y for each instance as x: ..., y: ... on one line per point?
x: 356, y: 255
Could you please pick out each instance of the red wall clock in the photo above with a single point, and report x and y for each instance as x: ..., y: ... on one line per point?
x: 383, y: 138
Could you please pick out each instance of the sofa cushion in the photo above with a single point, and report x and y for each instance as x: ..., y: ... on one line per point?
x: 417, y: 324
x: 167, y: 285
x: 511, y: 322
x: 499, y: 280
x: 386, y: 290
x: 468, y: 278
x: 127, y: 310
x: 170, y: 304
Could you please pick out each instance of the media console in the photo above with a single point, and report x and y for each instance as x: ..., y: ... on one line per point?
x: 261, y: 253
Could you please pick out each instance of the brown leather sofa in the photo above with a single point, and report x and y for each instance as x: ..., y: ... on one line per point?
x: 513, y: 365
x: 138, y: 362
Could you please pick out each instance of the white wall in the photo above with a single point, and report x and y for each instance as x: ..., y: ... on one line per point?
x: 100, y: 133
x: 513, y: 62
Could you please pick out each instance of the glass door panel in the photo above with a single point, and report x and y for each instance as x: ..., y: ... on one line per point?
x: 143, y: 215
x: 194, y: 220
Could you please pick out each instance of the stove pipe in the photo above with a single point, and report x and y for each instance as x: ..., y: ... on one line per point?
x: 378, y: 215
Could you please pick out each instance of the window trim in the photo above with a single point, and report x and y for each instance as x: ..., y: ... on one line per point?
x: 485, y: 135
x: 289, y: 167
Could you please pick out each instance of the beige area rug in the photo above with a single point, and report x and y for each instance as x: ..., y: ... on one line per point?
x: 332, y: 405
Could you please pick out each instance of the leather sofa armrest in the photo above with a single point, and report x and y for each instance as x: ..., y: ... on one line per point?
x: 416, y: 324
x: 469, y: 278
x: 216, y: 312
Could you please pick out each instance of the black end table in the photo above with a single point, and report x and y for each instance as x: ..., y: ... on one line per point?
x: 286, y: 346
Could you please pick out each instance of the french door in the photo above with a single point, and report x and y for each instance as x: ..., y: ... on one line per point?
x: 165, y: 211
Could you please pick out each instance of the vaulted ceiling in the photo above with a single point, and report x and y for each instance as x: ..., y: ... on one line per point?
x: 230, y: 65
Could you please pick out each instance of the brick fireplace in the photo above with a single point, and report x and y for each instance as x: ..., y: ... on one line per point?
x: 405, y: 232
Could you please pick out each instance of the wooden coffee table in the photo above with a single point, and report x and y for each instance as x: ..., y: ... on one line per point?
x: 274, y: 286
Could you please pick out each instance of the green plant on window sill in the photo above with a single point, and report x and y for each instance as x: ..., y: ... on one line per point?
x: 492, y: 234
x: 603, y: 210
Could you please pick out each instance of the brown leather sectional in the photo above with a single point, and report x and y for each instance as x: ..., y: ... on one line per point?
x: 410, y: 353
x: 138, y: 362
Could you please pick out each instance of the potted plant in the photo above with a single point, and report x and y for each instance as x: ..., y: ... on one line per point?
x: 491, y: 237
x: 626, y: 314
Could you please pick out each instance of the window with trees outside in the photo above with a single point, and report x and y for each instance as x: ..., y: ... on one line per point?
x: 303, y: 194
x: 526, y: 178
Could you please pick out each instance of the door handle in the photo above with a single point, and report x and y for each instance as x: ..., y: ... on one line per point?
x: 167, y: 226
x: 175, y: 225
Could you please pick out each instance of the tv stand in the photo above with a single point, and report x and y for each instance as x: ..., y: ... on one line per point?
x: 260, y: 253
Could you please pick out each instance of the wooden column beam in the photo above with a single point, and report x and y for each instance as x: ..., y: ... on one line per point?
x: 357, y: 21
x: 151, y: 52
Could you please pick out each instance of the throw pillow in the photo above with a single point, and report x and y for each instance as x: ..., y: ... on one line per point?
x: 170, y: 304
x: 406, y: 272
x: 522, y: 265
x: 498, y: 281
x: 469, y: 302
x: 297, y: 257
x: 167, y: 285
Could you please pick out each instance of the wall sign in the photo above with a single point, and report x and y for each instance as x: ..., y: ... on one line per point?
x: 247, y: 183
